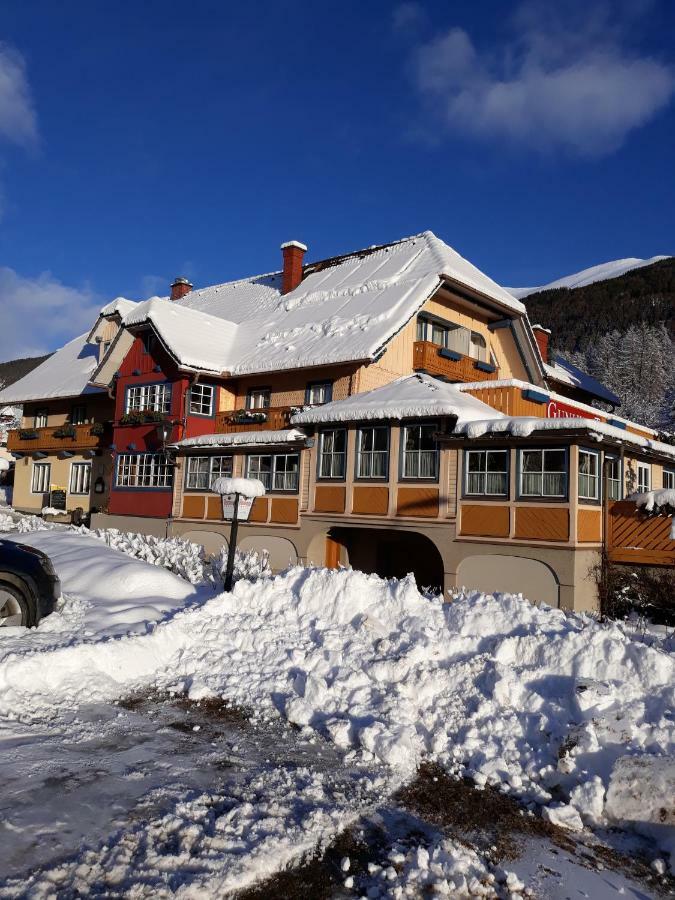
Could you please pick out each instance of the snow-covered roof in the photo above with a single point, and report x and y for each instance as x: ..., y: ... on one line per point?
x: 65, y: 374
x: 409, y: 397
x: 344, y: 309
x: 523, y: 426
x: 564, y: 372
x: 603, y: 272
x: 119, y: 305
x: 243, y: 438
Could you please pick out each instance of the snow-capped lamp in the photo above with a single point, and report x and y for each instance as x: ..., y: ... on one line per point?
x: 237, y: 496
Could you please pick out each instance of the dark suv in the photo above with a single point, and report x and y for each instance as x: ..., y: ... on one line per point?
x: 29, y: 587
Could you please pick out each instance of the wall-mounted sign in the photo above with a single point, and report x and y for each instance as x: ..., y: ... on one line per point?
x: 57, y: 497
x: 556, y: 409
x: 243, y: 510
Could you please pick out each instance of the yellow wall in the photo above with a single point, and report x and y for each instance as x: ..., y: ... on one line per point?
x: 100, y: 408
x: 60, y: 477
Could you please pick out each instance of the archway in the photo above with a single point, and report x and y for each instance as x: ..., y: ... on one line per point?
x: 510, y: 575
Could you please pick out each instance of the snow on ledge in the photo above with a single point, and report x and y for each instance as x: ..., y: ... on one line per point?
x: 247, y: 487
x: 651, y: 500
x: 244, y: 438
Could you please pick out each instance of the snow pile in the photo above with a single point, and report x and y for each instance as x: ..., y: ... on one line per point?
x: 7, y: 523
x: 281, y: 436
x: 247, y: 487
x: 181, y: 557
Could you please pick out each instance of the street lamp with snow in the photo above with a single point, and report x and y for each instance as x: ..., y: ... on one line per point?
x: 237, y: 496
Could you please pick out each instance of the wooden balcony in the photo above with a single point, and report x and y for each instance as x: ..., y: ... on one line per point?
x: 276, y: 418
x: 435, y: 360
x: 637, y: 538
x: 52, y: 440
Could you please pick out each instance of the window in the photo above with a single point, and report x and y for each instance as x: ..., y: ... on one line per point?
x: 143, y: 470
x: 148, y: 339
x: 318, y: 393
x: 202, y: 471
x: 372, y: 452
x: 487, y: 472
x: 277, y: 473
x: 80, y: 478
x: 644, y: 477
x: 669, y: 479
x: 543, y: 473
x: 155, y: 397
x: 614, y: 485
x: 201, y: 399
x: 452, y: 337
x: 78, y: 415
x: 332, y: 453
x: 478, y: 347
x: 589, y: 475
x: 258, y: 398
x: 41, y: 416
x: 420, y: 453
x: 41, y: 477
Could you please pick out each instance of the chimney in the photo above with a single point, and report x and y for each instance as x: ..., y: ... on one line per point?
x: 542, y: 335
x: 293, y: 252
x: 180, y: 287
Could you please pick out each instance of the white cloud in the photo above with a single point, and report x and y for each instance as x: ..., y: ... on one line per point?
x: 408, y: 17
x: 564, y: 79
x: 41, y: 314
x: 18, y: 122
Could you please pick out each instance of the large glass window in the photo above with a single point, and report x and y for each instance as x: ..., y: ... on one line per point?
x: 277, y: 473
x: 258, y: 398
x: 144, y: 470
x: 202, y: 471
x: 669, y: 479
x: 80, y: 478
x: 372, y: 452
x: 487, y: 472
x: 543, y: 473
x: 589, y: 475
x: 420, y: 451
x: 644, y: 477
x: 41, y: 477
x: 614, y: 480
x: 201, y: 399
x: 153, y: 397
x: 332, y: 453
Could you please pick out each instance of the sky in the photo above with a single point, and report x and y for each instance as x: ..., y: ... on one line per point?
x: 139, y: 141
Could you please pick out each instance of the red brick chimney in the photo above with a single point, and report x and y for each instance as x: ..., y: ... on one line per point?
x: 180, y: 287
x: 542, y: 335
x: 293, y: 252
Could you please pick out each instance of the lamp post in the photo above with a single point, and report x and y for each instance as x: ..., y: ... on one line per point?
x: 232, y: 549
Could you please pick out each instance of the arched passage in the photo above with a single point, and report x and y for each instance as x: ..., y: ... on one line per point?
x: 510, y: 575
x: 391, y: 554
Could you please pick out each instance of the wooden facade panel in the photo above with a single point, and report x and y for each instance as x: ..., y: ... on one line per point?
x: 426, y: 358
x: 193, y: 506
x: 542, y: 523
x: 509, y: 400
x: 284, y: 510
x: 330, y: 498
x: 370, y: 501
x: 420, y: 502
x: 481, y: 520
x: 589, y: 526
x: 214, y: 508
x: 332, y: 558
x: 259, y: 510
x: 634, y: 537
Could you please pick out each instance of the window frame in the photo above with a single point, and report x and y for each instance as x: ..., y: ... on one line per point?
x: 611, y: 457
x: 143, y: 487
x: 78, y: 420
x: 273, y: 457
x: 42, y: 466
x: 357, y: 452
x: 598, y: 477
x: 643, y: 466
x: 42, y: 412
x: 211, y: 410
x: 167, y: 387
x: 466, y: 494
x: 258, y: 390
x: 74, y: 466
x: 410, y: 479
x: 210, y: 476
x: 542, y: 498
x: 314, y: 384
x: 671, y: 476
x: 343, y: 453
x: 149, y: 342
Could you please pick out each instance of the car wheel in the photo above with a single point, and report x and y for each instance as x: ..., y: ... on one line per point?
x: 17, y: 608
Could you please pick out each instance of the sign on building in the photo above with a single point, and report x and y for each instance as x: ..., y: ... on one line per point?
x: 243, y: 510
x: 57, y: 497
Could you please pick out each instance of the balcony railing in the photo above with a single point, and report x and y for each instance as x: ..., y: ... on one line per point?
x: 637, y: 538
x: 59, y: 437
x: 273, y: 418
x: 435, y: 360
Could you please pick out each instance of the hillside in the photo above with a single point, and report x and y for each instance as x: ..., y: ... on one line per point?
x: 601, y: 272
x: 578, y: 316
x: 14, y: 369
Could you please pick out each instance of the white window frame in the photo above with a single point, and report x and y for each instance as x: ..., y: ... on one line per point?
x: 614, y: 485
x: 259, y: 398
x: 41, y: 417
x: 143, y: 471
x: 80, y: 478
x: 199, y: 404
x: 325, y: 389
x: 154, y: 397
x: 593, y: 478
x: 669, y: 479
x: 479, y: 478
x: 368, y: 462
x: 216, y: 468
x: 412, y: 473
x: 277, y: 478
x: 332, y: 463
x: 641, y: 469
x: 38, y: 479
x: 543, y: 472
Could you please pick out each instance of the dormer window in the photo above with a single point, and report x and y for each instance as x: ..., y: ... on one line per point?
x: 148, y: 339
x: 452, y: 337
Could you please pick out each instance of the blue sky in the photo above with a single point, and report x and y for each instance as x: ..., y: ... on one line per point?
x: 142, y: 140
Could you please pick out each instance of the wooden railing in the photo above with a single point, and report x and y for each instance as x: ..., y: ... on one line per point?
x: 431, y: 358
x: 276, y: 418
x: 637, y: 538
x: 48, y: 438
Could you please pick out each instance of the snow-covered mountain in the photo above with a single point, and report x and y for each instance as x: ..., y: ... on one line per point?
x: 587, y: 276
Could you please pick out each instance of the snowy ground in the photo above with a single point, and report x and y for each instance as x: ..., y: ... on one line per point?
x: 172, y: 793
